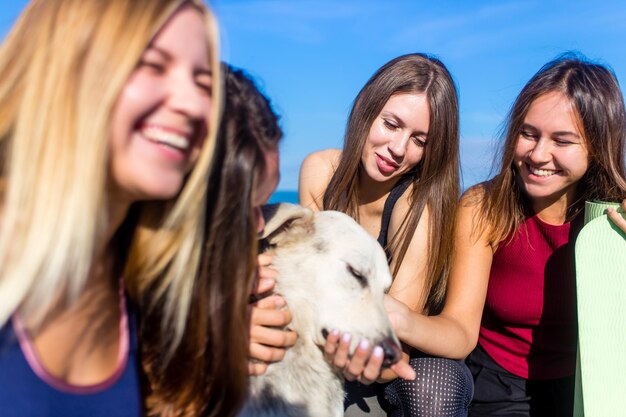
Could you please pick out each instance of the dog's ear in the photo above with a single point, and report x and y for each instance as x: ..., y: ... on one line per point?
x: 286, y: 222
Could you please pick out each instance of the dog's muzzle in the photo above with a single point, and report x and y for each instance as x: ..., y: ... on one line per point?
x: 392, y: 352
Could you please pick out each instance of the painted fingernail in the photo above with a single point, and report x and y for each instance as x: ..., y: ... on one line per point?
x: 280, y: 302
x: 334, y: 333
x: 378, y: 352
x: 364, y: 345
x: 265, y: 282
x: 346, y: 337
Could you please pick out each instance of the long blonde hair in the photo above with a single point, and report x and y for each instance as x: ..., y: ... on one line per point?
x: 62, y: 68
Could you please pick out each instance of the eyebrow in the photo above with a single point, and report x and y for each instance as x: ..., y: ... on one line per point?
x: 161, y: 51
x: 557, y: 133
x: 402, y: 124
x: 168, y: 57
x: 566, y: 133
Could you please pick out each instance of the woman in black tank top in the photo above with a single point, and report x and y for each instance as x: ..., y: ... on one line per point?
x: 397, y: 175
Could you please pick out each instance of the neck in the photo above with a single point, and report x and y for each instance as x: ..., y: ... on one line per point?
x: 104, y: 262
x: 100, y: 288
x: 116, y: 213
x: 371, y: 191
x: 556, y: 210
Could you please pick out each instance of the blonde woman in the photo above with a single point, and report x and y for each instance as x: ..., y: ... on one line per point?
x: 109, y: 111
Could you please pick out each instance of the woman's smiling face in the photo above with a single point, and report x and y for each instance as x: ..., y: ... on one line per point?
x: 161, y: 117
x: 551, y: 154
x: 397, y: 138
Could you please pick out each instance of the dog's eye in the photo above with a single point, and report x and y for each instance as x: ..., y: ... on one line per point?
x: 356, y: 274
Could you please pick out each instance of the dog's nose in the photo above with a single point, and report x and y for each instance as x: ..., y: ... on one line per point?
x: 391, y: 350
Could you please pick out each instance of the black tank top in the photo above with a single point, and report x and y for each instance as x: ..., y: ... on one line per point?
x: 394, y: 195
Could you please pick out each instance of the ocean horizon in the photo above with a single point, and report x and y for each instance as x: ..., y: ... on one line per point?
x: 291, y: 196
x: 284, y: 196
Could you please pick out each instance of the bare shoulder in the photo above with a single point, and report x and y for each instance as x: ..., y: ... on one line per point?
x: 325, y: 160
x: 315, y: 173
x: 475, y: 195
x: 470, y: 222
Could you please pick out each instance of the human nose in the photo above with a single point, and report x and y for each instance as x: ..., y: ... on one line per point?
x: 540, y: 152
x: 397, y: 145
x: 186, y: 97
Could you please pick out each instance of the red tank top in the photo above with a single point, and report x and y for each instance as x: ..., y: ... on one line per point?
x: 529, y: 322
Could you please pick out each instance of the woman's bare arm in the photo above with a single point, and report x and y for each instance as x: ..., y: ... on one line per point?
x: 454, y: 332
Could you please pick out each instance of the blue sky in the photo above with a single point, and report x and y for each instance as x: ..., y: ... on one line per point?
x: 312, y: 57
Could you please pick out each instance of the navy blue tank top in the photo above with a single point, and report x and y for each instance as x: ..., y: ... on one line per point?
x: 28, y: 390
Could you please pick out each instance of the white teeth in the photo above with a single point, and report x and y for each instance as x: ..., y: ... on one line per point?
x: 541, y: 172
x: 165, y: 137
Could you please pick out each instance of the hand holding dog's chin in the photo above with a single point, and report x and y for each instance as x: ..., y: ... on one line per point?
x: 389, y: 374
x: 404, y: 370
x: 366, y: 363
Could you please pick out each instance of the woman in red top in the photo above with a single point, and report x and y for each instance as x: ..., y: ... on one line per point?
x: 512, y: 283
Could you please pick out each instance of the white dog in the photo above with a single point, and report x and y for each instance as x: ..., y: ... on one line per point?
x: 333, y: 275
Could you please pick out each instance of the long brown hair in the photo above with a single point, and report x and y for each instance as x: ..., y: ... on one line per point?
x: 434, y: 181
x: 207, y: 374
x: 597, y: 100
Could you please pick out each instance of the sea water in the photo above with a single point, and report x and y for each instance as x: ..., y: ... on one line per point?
x: 284, y: 197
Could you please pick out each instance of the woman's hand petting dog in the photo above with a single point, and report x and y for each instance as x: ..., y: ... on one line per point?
x: 267, y: 342
x: 617, y: 218
x: 365, y: 365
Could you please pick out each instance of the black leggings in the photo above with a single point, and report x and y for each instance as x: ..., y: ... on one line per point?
x: 443, y: 388
x: 497, y: 392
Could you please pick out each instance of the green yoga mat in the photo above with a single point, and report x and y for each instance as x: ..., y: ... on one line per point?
x: 601, y: 295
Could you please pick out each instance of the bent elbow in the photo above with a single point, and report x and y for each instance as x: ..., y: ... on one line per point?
x: 470, y: 344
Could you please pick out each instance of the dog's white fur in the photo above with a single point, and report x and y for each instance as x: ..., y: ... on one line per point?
x: 333, y: 275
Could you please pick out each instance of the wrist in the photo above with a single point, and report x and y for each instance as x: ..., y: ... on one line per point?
x: 402, y: 323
